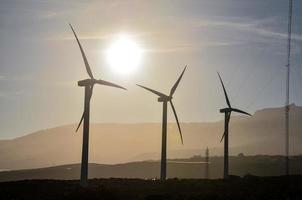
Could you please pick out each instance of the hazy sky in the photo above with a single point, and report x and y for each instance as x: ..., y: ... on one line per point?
x: 40, y: 61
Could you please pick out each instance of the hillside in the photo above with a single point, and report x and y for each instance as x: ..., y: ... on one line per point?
x: 263, y: 133
x: 191, y: 168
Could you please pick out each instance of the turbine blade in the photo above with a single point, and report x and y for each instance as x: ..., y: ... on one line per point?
x: 222, y: 136
x: 227, y: 120
x: 101, y: 82
x: 177, y: 82
x: 153, y: 91
x: 229, y: 117
x: 82, y: 118
x: 91, y: 90
x: 80, y: 121
x: 83, y: 54
x: 174, y: 111
x: 225, y: 93
x: 241, y: 111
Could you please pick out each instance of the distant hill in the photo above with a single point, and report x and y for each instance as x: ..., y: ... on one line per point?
x: 263, y: 133
x: 177, y: 168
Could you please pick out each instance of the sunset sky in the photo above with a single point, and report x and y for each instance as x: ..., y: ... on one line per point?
x: 242, y: 39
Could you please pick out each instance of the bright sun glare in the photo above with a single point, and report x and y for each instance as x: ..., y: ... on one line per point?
x: 124, y: 55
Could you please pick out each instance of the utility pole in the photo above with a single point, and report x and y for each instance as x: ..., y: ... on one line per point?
x: 287, y: 107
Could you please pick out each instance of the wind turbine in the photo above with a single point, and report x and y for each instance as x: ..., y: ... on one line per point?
x: 165, y: 99
x: 227, y: 115
x: 88, y: 84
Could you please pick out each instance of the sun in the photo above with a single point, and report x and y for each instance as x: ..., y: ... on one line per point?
x: 124, y: 54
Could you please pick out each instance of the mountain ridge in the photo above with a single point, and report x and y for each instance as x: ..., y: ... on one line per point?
x: 124, y: 142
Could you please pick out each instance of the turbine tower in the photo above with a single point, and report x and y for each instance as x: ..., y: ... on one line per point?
x: 88, y: 84
x: 165, y: 99
x: 227, y: 115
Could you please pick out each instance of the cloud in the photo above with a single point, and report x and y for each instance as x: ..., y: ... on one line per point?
x: 66, y: 84
x: 269, y: 33
x: 17, y: 78
x: 102, y: 36
x: 191, y: 47
x: 10, y: 95
x: 259, y: 27
x: 223, y: 22
x: 81, y: 37
x: 196, y: 33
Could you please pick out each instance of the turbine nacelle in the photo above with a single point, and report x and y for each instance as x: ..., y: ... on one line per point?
x: 165, y: 98
x: 225, y: 110
x: 86, y: 82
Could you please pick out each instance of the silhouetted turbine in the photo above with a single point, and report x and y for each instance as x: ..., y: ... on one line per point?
x: 165, y: 99
x: 227, y: 115
x: 88, y: 84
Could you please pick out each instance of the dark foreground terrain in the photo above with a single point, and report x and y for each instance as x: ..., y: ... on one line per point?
x: 248, y: 187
